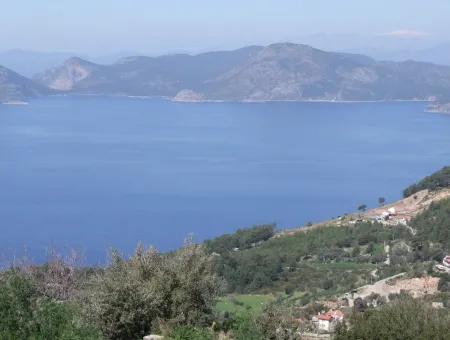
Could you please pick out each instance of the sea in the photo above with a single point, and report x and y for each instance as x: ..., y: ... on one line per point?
x: 95, y: 173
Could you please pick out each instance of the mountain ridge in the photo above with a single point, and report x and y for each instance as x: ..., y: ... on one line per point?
x: 281, y: 71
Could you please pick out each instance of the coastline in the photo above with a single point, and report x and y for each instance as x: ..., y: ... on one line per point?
x: 250, y: 101
x: 15, y: 102
x: 438, y: 112
x: 292, y: 100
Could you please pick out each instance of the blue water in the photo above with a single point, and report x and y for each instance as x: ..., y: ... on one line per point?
x: 99, y: 172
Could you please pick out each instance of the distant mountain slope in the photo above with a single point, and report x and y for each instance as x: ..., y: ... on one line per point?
x: 28, y: 63
x: 439, y: 54
x: 74, y: 73
x: 146, y: 76
x: 13, y: 86
x: 282, y: 71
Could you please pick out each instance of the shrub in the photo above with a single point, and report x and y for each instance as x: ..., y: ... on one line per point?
x: 190, y: 333
x: 444, y: 283
x: 245, y: 327
x: 277, y: 321
x: 133, y: 297
x: 405, y: 318
x: 25, y: 314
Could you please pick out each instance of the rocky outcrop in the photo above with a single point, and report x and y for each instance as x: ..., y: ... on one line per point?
x: 67, y: 77
x: 188, y: 96
x: 153, y: 337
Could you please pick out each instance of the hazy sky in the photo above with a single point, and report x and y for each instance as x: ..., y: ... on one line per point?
x: 157, y: 26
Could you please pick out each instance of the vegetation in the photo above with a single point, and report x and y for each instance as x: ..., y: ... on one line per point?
x: 26, y: 314
x: 433, y: 225
x: 126, y: 300
x: 438, y: 180
x: 190, y: 333
x: 362, y: 207
x: 241, y: 239
x: 404, y: 318
x: 253, y: 303
x: 274, y: 283
x: 151, y: 292
x: 299, y: 261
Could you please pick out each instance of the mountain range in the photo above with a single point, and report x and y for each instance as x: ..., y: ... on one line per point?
x: 282, y: 71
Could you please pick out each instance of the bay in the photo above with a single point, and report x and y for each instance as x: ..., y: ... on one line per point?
x: 97, y: 172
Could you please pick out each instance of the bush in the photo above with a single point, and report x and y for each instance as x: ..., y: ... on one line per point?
x: 132, y: 298
x: 190, y: 333
x: 245, y: 327
x: 405, y: 318
x: 25, y: 314
x: 277, y: 321
x: 444, y: 283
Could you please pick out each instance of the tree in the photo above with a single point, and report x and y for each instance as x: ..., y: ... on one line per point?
x: 362, y: 208
x: 381, y: 201
x: 405, y: 318
x: 438, y: 180
x: 370, y: 248
x: 26, y: 314
x: 133, y: 297
x: 356, y: 251
x: 359, y: 305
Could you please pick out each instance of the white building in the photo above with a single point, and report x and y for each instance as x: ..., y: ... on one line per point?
x: 329, y: 320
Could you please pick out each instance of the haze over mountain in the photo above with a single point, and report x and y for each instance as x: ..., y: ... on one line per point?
x: 29, y: 63
x: 14, y: 87
x: 282, y: 71
x: 439, y: 54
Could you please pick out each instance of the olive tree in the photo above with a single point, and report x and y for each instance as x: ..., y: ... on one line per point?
x: 151, y: 291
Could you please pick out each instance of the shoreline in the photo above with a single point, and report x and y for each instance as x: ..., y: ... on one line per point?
x: 172, y: 99
x: 14, y: 102
x: 250, y: 101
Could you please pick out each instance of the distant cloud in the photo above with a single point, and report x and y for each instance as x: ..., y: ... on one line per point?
x: 405, y: 34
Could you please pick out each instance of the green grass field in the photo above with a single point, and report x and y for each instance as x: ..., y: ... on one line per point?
x: 240, y: 303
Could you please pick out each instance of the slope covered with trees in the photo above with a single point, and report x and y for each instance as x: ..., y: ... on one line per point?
x: 438, y: 180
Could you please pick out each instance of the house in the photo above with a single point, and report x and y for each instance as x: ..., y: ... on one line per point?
x: 446, y: 261
x: 329, y: 320
x: 445, y: 267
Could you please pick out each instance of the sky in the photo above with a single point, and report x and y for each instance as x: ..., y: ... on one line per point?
x: 160, y: 26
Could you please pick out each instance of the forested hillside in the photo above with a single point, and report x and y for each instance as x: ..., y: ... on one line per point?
x: 438, y: 180
x: 309, y: 261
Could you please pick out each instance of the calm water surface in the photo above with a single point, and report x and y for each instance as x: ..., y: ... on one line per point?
x: 95, y: 172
